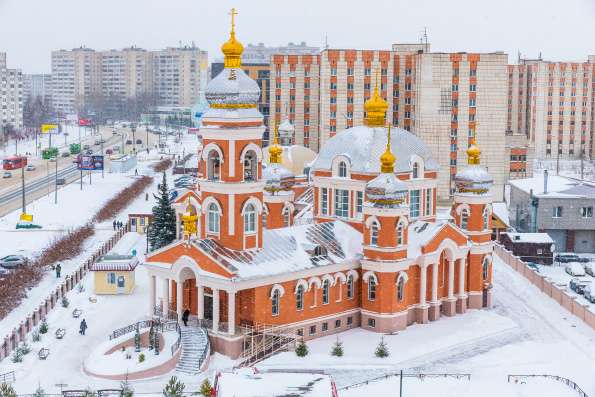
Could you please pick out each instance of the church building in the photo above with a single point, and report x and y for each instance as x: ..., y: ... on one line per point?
x: 372, y: 253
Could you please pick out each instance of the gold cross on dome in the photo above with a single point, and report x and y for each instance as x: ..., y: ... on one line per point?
x: 233, y: 14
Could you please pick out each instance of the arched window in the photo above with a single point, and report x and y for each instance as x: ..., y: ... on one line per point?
x: 319, y: 250
x: 464, y: 219
x: 400, y: 233
x: 400, y: 288
x: 371, y: 289
x: 486, y: 218
x: 350, y: 287
x: 213, y: 218
x: 250, y: 219
x: 342, y: 169
x: 275, y: 303
x: 325, y: 292
x: 299, y: 298
x: 213, y: 166
x: 250, y: 166
x: 286, y: 217
x: 486, y: 268
x: 415, y: 171
x: 374, y: 234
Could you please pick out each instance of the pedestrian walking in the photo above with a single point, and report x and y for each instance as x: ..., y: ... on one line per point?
x: 114, y: 224
x: 83, y: 327
x: 58, y: 270
x: 136, y: 171
x: 185, y: 316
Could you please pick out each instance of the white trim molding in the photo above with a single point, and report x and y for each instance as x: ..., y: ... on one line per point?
x: 277, y: 287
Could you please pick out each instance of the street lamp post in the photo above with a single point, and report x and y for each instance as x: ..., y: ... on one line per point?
x: 133, y: 128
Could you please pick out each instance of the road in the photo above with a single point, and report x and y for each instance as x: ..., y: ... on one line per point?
x: 41, y: 181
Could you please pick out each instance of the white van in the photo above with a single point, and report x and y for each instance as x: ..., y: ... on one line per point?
x: 575, y: 269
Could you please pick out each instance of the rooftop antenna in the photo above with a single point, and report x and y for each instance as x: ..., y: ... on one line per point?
x: 425, y: 37
x: 519, y: 56
x: 326, y: 42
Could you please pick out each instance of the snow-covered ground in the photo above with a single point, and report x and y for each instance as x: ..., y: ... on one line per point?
x: 569, y: 168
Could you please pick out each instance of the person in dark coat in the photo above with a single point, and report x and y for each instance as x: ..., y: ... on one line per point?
x: 114, y: 224
x: 58, y: 270
x: 83, y: 327
x: 185, y: 316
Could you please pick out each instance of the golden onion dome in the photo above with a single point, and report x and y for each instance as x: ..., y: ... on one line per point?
x: 275, y: 151
x: 232, y: 48
x: 375, y: 109
x: 387, y: 159
x: 473, y: 153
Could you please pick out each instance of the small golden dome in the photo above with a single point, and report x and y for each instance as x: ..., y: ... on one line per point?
x: 275, y: 151
x: 232, y: 48
x: 375, y: 109
x: 473, y: 153
x: 387, y: 159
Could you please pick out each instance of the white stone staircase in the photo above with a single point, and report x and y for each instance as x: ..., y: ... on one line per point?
x: 194, y: 343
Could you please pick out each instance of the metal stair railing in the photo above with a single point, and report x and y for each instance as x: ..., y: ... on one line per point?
x: 566, y: 381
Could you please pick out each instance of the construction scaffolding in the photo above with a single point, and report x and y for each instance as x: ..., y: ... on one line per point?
x: 262, y: 341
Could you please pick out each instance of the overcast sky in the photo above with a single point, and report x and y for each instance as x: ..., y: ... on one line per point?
x: 560, y: 29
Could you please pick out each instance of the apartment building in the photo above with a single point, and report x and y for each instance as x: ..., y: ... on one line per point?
x: 261, y: 54
x: 445, y: 98
x: 76, y: 79
x: 552, y: 103
x: 11, y: 95
x: 37, y: 85
x: 83, y: 78
x: 295, y: 95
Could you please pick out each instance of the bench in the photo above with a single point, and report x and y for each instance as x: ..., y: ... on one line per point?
x: 43, y: 353
x: 60, y: 332
x: 76, y: 313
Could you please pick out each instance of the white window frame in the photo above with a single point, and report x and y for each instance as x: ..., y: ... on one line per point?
x: 341, y: 206
x: 324, y: 201
x: 414, y: 206
x: 213, y: 219
x: 250, y: 219
x: 275, y: 302
x: 326, y: 292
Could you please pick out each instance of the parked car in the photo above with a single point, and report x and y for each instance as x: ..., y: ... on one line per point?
x: 581, y: 285
x: 129, y: 141
x: 590, y: 269
x: 88, y: 152
x: 7, y: 174
x: 575, y: 269
x: 583, y: 259
x: 52, y: 160
x: 12, y: 261
x: 139, y: 141
x: 109, y: 151
x: 30, y: 167
x: 4, y: 273
x: 590, y: 296
x: 567, y: 258
x: 86, y: 147
x: 533, y: 266
x: 65, y: 154
x: 60, y: 181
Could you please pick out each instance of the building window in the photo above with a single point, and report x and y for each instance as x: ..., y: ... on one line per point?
x: 400, y: 288
x: 371, y: 323
x: 349, y: 71
x: 557, y: 212
x: 371, y: 289
x: 213, y: 165
x: 111, y: 278
x: 337, y: 323
x: 350, y: 287
x: 299, y: 298
x: 300, y: 332
x: 286, y: 217
x: 359, y: 202
x: 250, y: 219
x: 464, y: 219
x: 472, y: 87
x: 349, y: 320
x: 486, y: 268
x: 486, y: 218
x: 275, y: 303
x: 324, y: 201
x: 414, y: 203
x: 415, y: 171
x: 342, y: 169
x: 374, y: 234
x: 472, y: 102
x: 399, y: 233
x: 428, y: 201
x: 324, y: 327
x: 325, y: 292
x: 312, y: 329
x: 342, y: 203
x: 333, y: 71
x: 587, y: 212
x: 213, y: 218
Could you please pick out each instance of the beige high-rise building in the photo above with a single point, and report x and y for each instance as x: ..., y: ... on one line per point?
x: 445, y: 98
x: 177, y: 75
x: 552, y: 103
x: 84, y: 79
x: 11, y: 96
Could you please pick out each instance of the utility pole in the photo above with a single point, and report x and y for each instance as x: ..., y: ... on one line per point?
x: 23, y: 189
x: 81, y: 174
x: 56, y: 188
x: 401, y: 385
x: 102, y: 159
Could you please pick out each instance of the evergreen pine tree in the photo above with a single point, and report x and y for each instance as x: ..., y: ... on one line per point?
x: 174, y: 388
x: 127, y: 390
x: 6, y: 390
x: 156, y: 343
x: 205, y: 389
x: 301, y: 350
x: 151, y: 337
x: 381, y: 349
x: 137, y: 340
x: 65, y: 302
x: 43, y: 327
x: 337, y: 349
x: 163, y: 227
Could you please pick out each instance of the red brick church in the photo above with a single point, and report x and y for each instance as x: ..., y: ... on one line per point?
x: 368, y: 251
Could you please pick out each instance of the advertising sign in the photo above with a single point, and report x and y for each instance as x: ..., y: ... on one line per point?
x: 85, y: 122
x: 49, y: 128
x: 90, y: 163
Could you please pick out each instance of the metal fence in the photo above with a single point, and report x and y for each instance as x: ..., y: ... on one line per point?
x: 420, y: 376
x: 566, y: 381
x: 133, y: 327
x: 176, y: 346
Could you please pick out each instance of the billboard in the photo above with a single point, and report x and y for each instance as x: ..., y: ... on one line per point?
x: 90, y: 162
x: 85, y: 122
x: 49, y: 128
